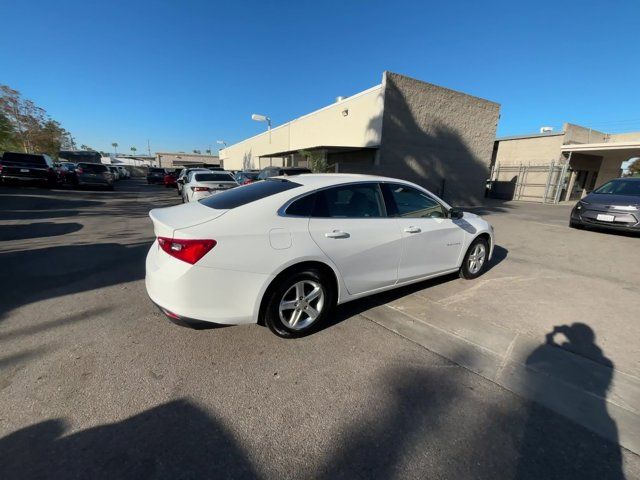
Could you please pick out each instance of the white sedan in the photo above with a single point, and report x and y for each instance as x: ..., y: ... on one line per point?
x: 284, y: 251
x: 199, y: 184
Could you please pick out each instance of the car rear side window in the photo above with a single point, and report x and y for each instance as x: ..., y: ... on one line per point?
x: 24, y: 158
x: 93, y: 167
x: 237, y: 197
x: 302, y: 207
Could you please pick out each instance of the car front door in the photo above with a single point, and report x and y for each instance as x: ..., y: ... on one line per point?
x: 432, y: 242
x: 350, y: 225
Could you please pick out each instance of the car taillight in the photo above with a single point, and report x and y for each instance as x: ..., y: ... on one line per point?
x: 79, y: 170
x: 246, y: 182
x: 200, y: 189
x: 189, y: 251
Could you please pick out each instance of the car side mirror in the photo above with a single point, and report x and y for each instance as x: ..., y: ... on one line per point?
x: 455, y: 213
x: 180, y: 180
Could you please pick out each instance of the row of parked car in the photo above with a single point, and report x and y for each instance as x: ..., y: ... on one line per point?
x: 196, y: 183
x: 42, y: 170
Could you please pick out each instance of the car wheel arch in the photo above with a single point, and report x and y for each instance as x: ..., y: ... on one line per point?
x: 327, y: 269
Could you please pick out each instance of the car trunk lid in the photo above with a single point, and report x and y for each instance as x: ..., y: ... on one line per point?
x: 167, y: 220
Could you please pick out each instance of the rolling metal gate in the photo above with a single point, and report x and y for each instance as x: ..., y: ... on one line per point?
x: 535, y: 183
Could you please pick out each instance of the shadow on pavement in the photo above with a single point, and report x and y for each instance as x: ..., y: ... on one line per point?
x: 356, y: 307
x: 550, y: 440
x: 174, y: 440
x: 420, y: 423
x: 37, y: 230
x: 55, y: 271
x: 490, y: 206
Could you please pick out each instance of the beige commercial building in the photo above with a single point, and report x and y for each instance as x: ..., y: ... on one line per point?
x: 181, y: 159
x: 403, y: 128
x: 559, y: 166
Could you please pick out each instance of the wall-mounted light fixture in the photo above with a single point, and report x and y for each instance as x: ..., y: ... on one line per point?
x: 345, y: 112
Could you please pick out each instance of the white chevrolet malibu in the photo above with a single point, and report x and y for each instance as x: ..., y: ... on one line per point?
x: 284, y: 251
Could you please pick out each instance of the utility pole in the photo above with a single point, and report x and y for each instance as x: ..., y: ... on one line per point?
x: 148, y: 147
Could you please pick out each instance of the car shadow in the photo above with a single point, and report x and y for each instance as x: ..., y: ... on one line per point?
x: 350, y: 309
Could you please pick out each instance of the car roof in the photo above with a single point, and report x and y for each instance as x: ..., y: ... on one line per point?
x: 316, y: 180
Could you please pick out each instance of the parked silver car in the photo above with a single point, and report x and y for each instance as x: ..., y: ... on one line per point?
x: 93, y: 174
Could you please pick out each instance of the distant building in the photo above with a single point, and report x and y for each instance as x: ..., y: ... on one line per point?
x: 180, y: 159
x: 403, y: 128
x: 559, y: 166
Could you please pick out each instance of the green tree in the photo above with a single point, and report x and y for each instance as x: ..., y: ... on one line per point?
x: 7, y: 134
x: 316, y: 161
x: 134, y: 150
x: 27, y: 127
x: 115, y: 147
x: 634, y: 168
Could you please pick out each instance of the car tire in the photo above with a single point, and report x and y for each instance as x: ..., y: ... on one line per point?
x: 315, y: 286
x: 475, y: 260
x: 576, y: 225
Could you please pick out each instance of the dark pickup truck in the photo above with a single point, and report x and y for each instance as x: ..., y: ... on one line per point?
x: 27, y: 167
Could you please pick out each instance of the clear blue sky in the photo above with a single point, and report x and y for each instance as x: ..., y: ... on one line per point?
x: 186, y: 73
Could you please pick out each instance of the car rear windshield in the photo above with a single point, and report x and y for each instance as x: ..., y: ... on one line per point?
x: 24, y: 158
x: 92, y: 167
x: 620, y: 187
x: 213, y: 177
x: 156, y: 170
x: 237, y: 197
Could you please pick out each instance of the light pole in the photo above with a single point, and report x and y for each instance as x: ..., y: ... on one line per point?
x: 263, y: 118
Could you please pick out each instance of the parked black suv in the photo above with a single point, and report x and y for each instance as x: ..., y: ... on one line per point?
x: 269, y: 172
x: 156, y: 175
x: 36, y: 168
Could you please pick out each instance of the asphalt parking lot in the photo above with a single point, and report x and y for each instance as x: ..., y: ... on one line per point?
x: 444, y: 379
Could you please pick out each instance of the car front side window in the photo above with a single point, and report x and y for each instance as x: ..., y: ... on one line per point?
x: 412, y: 203
x: 350, y: 201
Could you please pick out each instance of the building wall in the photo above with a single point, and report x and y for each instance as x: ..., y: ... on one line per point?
x: 577, y: 134
x: 534, y: 151
x: 177, y: 159
x: 436, y: 137
x: 329, y: 126
x: 625, y: 137
x: 611, y: 166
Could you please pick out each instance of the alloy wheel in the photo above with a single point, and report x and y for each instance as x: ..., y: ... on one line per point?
x: 476, y: 258
x: 302, y: 304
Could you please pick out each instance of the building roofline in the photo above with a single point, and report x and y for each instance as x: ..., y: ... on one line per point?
x: 452, y: 90
x: 189, y: 154
x: 530, y: 135
x: 286, y: 124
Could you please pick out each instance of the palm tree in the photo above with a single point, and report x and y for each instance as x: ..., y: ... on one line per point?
x: 134, y: 150
x: 208, y: 150
x: 115, y: 147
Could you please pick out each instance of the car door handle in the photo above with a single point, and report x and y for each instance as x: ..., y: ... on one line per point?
x: 337, y: 234
x: 412, y: 230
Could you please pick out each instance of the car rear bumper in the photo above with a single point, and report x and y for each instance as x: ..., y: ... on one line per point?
x: 200, y: 294
x: 26, y: 178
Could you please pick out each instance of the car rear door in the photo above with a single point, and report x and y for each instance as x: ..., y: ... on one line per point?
x: 432, y: 242
x: 350, y: 225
